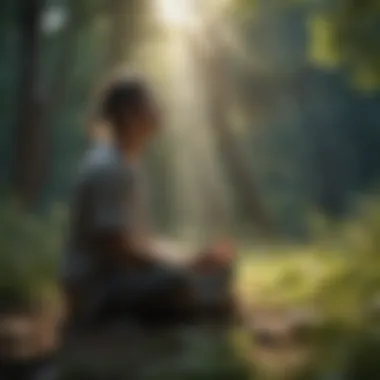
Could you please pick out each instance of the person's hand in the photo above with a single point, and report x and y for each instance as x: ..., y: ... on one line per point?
x: 227, y: 246
x: 218, y: 256
x: 224, y: 252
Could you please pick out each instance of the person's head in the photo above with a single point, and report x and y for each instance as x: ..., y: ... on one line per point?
x: 127, y: 105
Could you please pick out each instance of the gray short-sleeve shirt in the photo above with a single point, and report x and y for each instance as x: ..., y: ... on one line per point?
x: 106, y: 197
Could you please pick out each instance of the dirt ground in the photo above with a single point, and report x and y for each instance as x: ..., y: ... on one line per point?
x: 129, y: 352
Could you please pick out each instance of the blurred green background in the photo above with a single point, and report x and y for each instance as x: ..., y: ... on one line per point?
x: 273, y: 113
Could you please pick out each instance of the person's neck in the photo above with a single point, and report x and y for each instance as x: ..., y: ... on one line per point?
x: 131, y: 152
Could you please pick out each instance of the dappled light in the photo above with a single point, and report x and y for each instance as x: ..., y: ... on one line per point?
x: 189, y: 189
x: 202, y: 201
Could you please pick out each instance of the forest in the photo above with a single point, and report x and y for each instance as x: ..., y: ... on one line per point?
x: 272, y: 112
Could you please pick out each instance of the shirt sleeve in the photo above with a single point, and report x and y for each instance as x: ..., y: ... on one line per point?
x: 111, y: 201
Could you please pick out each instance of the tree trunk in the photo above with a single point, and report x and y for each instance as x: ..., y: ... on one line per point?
x: 28, y: 111
x: 57, y: 93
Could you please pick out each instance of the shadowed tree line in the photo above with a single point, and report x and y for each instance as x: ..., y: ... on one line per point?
x: 292, y: 85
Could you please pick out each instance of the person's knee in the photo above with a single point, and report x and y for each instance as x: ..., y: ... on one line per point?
x: 174, y: 286
x: 177, y: 279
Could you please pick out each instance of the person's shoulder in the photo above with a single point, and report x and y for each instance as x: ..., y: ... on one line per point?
x: 99, y: 156
x: 101, y: 162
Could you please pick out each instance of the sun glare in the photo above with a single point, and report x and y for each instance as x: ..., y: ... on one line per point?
x: 178, y: 13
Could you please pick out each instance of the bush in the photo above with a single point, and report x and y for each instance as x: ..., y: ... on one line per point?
x: 29, y: 250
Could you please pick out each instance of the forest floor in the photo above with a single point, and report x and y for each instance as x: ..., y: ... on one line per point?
x: 275, y: 291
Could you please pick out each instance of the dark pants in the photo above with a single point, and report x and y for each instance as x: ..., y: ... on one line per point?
x: 158, y: 294
x: 151, y: 295
x: 155, y: 295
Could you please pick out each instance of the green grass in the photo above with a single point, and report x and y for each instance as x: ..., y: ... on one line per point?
x: 338, y: 275
x: 29, y: 254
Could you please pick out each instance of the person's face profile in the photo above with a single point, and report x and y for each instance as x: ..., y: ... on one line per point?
x: 151, y: 118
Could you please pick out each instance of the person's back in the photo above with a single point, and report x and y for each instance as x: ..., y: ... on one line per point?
x: 100, y: 169
x: 102, y: 178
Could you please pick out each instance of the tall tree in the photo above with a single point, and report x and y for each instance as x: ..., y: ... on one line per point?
x: 41, y: 96
x: 28, y: 112
x: 78, y: 15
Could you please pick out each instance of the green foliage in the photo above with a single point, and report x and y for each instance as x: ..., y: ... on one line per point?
x: 345, y: 292
x: 341, y: 33
x: 29, y: 249
x: 339, y: 277
x: 349, y: 38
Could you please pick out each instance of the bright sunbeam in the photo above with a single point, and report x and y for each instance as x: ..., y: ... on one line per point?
x: 201, y: 203
x: 178, y: 13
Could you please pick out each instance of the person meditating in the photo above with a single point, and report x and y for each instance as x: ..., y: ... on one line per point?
x: 110, y: 266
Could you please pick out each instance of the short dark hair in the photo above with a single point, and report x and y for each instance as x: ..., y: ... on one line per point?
x: 123, y: 95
